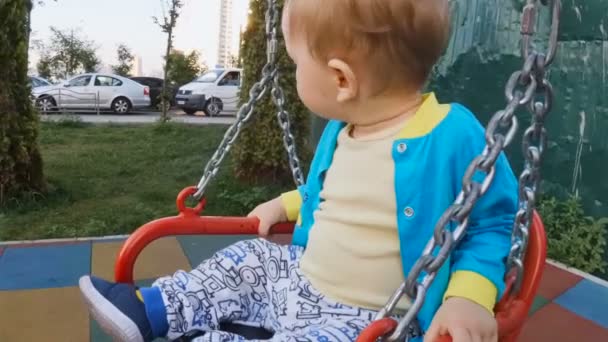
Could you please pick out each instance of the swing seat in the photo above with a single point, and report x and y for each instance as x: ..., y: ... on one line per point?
x: 511, y: 312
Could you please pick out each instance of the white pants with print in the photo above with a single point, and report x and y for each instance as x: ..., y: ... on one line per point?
x: 256, y: 283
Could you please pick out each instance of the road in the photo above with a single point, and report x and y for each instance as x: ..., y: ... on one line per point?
x: 142, y: 117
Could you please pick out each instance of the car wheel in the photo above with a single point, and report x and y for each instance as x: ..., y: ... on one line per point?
x: 121, y: 105
x: 213, y: 107
x: 190, y: 111
x: 46, y: 104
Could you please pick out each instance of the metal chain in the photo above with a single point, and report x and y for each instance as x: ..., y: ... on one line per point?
x: 534, y: 141
x: 270, y: 75
x: 526, y: 87
x: 278, y: 97
x: 243, y: 115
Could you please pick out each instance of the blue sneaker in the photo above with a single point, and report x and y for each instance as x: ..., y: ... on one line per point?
x: 117, y: 309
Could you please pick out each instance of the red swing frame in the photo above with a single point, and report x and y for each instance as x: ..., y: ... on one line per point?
x: 511, y: 312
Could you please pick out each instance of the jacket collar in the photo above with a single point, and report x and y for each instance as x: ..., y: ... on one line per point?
x: 428, y: 116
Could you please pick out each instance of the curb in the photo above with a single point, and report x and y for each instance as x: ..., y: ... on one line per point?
x: 63, y: 241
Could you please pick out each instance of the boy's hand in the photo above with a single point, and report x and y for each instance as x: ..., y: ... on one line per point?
x: 269, y: 214
x: 465, y: 321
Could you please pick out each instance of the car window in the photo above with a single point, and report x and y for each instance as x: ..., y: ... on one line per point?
x: 139, y: 80
x: 210, y: 76
x: 35, y: 82
x: 232, y: 78
x: 81, y: 81
x: 107, y: 81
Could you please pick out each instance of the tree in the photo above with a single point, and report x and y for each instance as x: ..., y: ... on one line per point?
x: 44, y: 67
x: 125, y: 61
x: 235, y: 61
x: 67, y: 54
x: 184, y: 68
x: 20, y: 160
x: 167, y: 24
x: 90, y: 62
x: 259, y: 153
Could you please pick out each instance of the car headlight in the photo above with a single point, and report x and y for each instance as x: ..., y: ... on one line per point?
x: 198, y: 92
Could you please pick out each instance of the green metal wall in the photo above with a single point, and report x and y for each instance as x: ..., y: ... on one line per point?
x: 484, y: 51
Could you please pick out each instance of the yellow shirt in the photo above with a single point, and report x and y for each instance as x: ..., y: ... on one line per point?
x: 353, y: 251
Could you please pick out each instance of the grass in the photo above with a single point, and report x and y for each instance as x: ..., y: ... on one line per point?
x: 107, y: 180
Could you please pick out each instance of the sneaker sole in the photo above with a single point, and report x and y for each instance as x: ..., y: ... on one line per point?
x: 112, y: 321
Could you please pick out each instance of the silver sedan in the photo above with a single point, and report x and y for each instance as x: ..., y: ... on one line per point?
x: 93, y: 92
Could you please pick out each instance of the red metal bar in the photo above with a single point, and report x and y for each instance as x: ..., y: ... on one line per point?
x: 379, y: 328
x: 183, y: 225
x: 188, y: 222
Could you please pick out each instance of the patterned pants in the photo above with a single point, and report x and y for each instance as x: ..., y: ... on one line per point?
x: 256, y: 283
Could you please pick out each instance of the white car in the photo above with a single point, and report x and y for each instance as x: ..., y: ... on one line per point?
x: 93, y: 91
x: 214, y: 92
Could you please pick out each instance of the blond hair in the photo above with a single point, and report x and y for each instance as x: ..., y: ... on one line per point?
x: 399, y: 40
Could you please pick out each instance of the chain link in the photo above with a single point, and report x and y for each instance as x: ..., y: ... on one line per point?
x: 243, y: 116
x: 526, y: 87
x: 270, y: 79
x: 534, y: 144
x: 289, y: 141
x: 278, y: 97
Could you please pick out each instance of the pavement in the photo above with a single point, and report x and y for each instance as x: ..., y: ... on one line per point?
x: 39, y: 299
x: 144, y: 117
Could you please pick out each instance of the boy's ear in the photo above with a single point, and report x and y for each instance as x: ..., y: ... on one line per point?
x: 346, y: 82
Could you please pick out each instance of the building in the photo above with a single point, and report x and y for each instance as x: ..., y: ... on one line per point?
x: 224, y: 57
x: 137, y: 68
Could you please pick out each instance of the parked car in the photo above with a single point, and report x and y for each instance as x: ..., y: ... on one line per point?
x: 92, y: 91
x: 156, y: 87
x: 213, y: 92
x: 36, y: 82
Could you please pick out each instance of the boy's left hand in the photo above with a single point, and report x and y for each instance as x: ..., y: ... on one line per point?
x: 464, y: 320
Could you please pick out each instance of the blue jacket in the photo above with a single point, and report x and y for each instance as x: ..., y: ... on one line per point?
x: 431, y: 155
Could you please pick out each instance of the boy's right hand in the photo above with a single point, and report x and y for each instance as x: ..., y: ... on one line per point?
x: 269, y: 214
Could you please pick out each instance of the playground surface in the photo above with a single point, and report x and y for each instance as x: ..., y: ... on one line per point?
x: 40, y: 301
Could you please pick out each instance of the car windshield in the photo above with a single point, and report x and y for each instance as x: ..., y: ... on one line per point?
x: 39, y: 82
x: 209, y: 77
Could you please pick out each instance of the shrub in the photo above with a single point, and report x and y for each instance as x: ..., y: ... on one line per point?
x: 259, y: 153
x: 574, y: 239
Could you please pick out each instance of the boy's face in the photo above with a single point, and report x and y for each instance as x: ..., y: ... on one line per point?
x: 315, y: 81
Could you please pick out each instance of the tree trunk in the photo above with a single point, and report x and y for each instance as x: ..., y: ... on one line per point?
x: 164, y: 115
x: 20, y: 160
x: 169, y: 30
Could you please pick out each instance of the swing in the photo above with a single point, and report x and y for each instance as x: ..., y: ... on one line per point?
x: 526, y: 87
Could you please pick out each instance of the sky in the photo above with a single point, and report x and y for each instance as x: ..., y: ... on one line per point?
x: 112, y: 22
